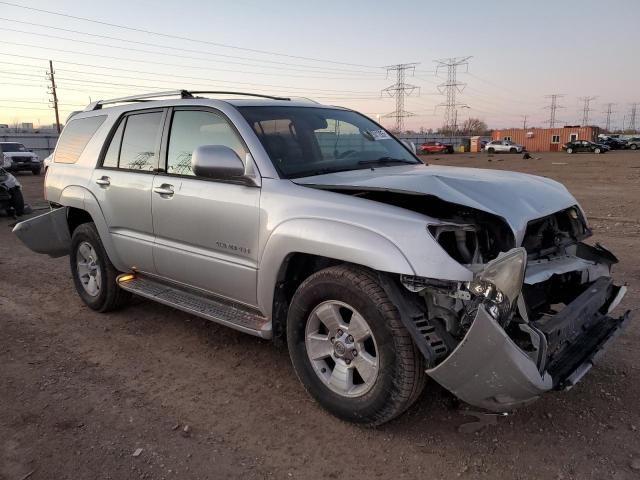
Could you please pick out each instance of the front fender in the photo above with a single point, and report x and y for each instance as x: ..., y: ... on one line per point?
x: 327, y: 238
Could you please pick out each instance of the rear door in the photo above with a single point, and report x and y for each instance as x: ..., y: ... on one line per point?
x: 122, y: 185
x: 206, y: 230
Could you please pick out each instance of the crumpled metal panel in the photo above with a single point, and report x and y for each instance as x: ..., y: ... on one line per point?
x: 47, y: 233
x: 488, y: 370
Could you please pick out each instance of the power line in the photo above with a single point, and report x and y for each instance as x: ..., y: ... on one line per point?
x: 277, y: 65
x: 399, y: 90
x: 553, y: 107
x: 451, y: 88
x: 178, y: 37
x: 586, y: 109
x: 609, y: 112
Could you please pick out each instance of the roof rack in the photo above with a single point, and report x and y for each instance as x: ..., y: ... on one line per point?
x: 145, y: 97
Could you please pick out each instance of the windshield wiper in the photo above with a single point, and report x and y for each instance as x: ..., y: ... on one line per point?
x: 387, y: 161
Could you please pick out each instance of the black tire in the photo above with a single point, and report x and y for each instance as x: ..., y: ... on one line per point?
x: 110, y: 297
x: 597, y: 151
x: 633, y: 146
x: 491, y: 150
x: 569, y: 150
x: 36, y: 171
x: 513, y: 150
x: 17, y: 201
x: 401, y: 375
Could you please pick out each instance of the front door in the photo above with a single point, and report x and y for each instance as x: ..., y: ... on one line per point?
x: 122, y: 185
x: 206, y: 231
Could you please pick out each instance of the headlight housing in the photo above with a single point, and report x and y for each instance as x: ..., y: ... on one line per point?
x: 501, y: 280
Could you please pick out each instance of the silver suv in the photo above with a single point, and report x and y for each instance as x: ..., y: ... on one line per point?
x: 314, y: 226
x: 503, y: 146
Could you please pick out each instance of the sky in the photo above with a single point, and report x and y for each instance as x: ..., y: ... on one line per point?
x: 332, y: 51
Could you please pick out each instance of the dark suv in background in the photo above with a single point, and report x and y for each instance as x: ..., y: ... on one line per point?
x: 16, y: 157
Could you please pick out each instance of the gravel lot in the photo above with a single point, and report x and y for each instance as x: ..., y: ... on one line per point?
x: 80, y: 392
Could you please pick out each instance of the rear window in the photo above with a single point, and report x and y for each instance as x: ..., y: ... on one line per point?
x: 75, y: 137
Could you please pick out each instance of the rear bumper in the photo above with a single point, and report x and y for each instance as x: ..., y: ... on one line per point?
x: 47, y: 233
x: 488, y: 370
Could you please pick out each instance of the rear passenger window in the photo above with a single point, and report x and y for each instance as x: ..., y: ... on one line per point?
x: 140, y: 141
x: 75, y: 137
x: 191, y: 129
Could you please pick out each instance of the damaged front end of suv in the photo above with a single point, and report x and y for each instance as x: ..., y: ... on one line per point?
x: 533, y: 318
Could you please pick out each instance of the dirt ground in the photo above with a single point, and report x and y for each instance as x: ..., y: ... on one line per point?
x: 81, y: 391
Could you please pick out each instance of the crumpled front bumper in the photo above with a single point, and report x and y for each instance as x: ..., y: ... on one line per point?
x: 488, y: 370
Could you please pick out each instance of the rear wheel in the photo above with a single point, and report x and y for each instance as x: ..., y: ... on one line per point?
x: 94, y: 276
x: 513, y: 150
x: 349, y: 348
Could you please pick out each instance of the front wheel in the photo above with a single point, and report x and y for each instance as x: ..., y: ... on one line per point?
x: 491, y: 150
x: 569, y: 150
x: 513, y: 150
x: 597, y: 150
x: 17, y: 201
x: 350, y: 349
x: 93, y: 273
x: 36, y: 171
x: 633, y: 146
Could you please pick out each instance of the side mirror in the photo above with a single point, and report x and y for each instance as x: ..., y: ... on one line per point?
x: 216, y: 161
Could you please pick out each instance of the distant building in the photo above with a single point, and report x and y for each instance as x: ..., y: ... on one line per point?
x: 546, y: 139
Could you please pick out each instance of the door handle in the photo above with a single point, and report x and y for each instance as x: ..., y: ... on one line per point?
x: 164, y: 190
x: 103, y: 181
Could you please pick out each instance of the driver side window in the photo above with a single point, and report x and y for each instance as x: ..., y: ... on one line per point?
x: 191, y: 129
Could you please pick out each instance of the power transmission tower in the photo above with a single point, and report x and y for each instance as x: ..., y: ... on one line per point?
x: 553, y: 108
x: 399, y: 90
x: 52, y: 91
x: 609, y: 112
x: 586, y: 109
x: 451, y: 88
x: 632, y: 117
x: 524, y: 121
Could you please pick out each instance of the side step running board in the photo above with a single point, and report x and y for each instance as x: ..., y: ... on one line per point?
x: 222, y: 311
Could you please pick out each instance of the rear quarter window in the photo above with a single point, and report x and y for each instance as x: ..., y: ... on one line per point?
x: 75, y: 137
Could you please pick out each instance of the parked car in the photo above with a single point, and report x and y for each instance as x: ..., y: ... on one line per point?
x: 435, y: 147
x: 633, y: 143
x: 18, y: 158
x: 499, y: 146
x: 314, y: 226
x: 11, y: 199
x: 613, y: 143
x: 584, y: 146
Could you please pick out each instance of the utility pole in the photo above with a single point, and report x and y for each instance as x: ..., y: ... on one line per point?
x: 52, y: 91
x: 609, y: 112
x: 586, y: 109
x: 524, y: 121
x: 553, y: 107
x: 632, y: 118
x: 450, y: 89
x: 399, y: 90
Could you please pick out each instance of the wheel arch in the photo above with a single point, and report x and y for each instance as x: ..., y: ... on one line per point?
x: 82, y: 207
x: 299, y: 248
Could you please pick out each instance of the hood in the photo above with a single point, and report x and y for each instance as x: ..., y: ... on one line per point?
x: 516, y: 197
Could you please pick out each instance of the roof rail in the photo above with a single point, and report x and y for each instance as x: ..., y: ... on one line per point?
x: 170, y: 93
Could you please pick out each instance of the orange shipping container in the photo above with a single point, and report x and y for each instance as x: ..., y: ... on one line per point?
x: 546, y: 139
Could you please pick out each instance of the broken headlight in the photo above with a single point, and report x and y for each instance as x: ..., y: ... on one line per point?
x: 501, y: 280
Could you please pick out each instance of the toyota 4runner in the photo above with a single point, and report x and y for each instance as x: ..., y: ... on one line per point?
x: 313, y: 225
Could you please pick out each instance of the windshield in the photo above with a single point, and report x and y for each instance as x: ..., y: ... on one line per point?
x: 12, y: 147
x: 304, y: 141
